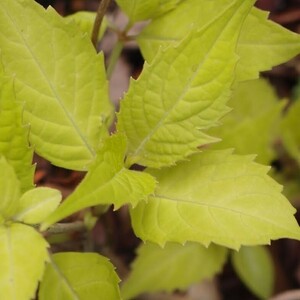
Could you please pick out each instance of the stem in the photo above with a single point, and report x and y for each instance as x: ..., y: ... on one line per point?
x: 98, y: 20
x: 114, y: 58
x: 66, y: 227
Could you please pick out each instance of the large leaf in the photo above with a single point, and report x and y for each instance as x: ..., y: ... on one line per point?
x: 61, y: 79
x: 254, y: 266
x: 107, y: 182
x: 176, y: 266
x: 84, y: 276
x: 9, y: 190
x: 14, y: 135
x: 23, y: 255
x: 37, y: 204
x: 262, y: 43
x: 290, y: 130
x: 250, y: 127
x: 182, y: 93
x: 215, y: 197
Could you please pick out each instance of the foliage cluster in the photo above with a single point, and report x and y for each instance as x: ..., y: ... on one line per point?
x: 196, y: 198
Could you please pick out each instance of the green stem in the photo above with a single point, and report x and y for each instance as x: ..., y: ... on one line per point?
x: 98, y: 20
x: 114, y: 58
x: 66, y: 227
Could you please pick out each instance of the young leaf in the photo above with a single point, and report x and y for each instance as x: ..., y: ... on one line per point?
x: 289, y: 130
x: 215, y: 197
x: 23, y: 255
x: 138, y: 10
x: 9, y: 190
x: 84, y: 276
x: 107, y: 182
x: 262, y: 43
x: 255, y: 268
x: 176, y: 266
x: 250, y: 127
x: 182, y: 93
x: 14, y: 136
x: 37, y: 204
x: 85, y: 21
x: 61, y: 79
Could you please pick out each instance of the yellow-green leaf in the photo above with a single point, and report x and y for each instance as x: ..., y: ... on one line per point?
x: 37, y: 204
x: 79, y: 276
x: 290, y: 130
x: 9, y: 190
x: 138, y: 10
x: 173, y: 267
x: 254, y: 266
x: 262, y: 43
x: 182, y: 93
x: 107, y: 182
x: 85, y: 22
x: 215, y: 197
x: 23, y: 254
x: 250, y: 128
x: 61, y: 80
x: 14, y: 143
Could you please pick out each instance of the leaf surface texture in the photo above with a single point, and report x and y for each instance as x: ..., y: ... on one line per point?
x: 9, y: 190
x: 79, y: 276
x: 14, y: 143
x: 215, y: 197
x: 182, y: 93
x: 60, y: 78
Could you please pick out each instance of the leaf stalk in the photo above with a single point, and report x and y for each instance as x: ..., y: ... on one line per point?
x: 98, y: 20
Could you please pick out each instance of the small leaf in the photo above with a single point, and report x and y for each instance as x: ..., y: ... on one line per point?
x: 255, y: 268
x: 290, y: 132
x: 23, y: 254
x: 138, y: 10
x: 37, y: 204
x: 61, y: 79
x: 215, y: 197
x: 182, y: 93
x: 85, y: 21
x: 107, y: 182
x: 9, y: 190
x: 14, y: 135
x: 176, y: 266
x: 84, y: 276
x: 262, y: 43
x: 251, y: 125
